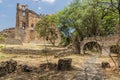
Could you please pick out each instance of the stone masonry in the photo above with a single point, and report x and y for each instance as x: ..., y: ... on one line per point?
x: 25, y: 24
x: 105, y: 43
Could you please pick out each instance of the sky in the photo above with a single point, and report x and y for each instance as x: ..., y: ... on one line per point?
x: 8, y: 9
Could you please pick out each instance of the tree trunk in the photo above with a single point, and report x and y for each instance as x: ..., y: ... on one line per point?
x: 118, y: 31
x: 76, y: 45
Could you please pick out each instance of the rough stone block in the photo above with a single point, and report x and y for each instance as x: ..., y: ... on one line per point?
x: 105, y: 65
x: 64, y: 64
x: 7, y: 67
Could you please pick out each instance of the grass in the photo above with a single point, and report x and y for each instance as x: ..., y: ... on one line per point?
x: 36, y: 60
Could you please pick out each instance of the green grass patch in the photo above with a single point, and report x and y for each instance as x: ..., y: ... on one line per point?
x: 1, y: 46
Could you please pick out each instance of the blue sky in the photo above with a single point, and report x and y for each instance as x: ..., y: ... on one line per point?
x: 8, y: 9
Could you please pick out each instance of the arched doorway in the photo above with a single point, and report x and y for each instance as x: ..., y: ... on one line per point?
x: 92, y: 48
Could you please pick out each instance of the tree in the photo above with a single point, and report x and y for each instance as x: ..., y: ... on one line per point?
x: 114, y: 7
x: 46, y: 27
x: 84, y: 25
x: 88, y: 18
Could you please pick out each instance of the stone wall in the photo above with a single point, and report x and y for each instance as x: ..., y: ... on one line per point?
x: 25, y: 24
x: 10, y: 32
x: 10, y: 50
x: 26, y: 20
x: 13, y: 41
x: 7, y: 33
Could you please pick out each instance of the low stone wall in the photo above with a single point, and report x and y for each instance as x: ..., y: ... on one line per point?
x: 13, y: 41
x: 2, y: 41
x: 26, y: 51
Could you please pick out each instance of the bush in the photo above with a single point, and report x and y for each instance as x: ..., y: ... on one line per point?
x: 1, y: 46
x: 2, y: 38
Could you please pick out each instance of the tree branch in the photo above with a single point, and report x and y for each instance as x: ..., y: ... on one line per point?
x: 113, y: 4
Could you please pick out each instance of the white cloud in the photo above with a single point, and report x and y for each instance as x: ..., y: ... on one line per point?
x: 36, y: 0
x: 1, y: 1
x: 48, y: 1
x: 39, y: 8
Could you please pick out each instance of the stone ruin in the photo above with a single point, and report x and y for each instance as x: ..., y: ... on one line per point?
x: 10, y: 32
x: 13, y: 41
x: 64, y: 64
x: 7, y: 33
x: 89, y: 71
x: 24, y: 30
x: 26, y: 20
x: 7, y: 67
x: 11, y: 66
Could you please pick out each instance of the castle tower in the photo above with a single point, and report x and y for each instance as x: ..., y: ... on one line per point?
x: 21, y: 21
x: 25, y: 22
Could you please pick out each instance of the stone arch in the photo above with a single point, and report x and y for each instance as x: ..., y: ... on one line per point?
x: 86, y: 42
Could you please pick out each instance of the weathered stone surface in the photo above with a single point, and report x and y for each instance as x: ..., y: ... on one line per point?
x: 10, y: 32
x: 63, y: 53
x: 13, y: 41
x: 26, y: 51
x: 7, y: 67
x: 26, y: 20
x: 105, y: 65
x: 64, y: 64
x: 7, y: 33
x: 91, y: 72
x: 75, y: 44
x: 26, y: 68
x: 47, y: 66
x: 105, y: 43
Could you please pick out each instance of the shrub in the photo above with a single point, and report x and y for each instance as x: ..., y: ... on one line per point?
x: 2, y: 38
x: 1, y: 46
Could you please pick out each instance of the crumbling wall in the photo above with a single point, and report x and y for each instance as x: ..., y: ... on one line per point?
x: 10, y: 32
x: 26, y: 20
x: 7, y: 33
x: 13, y: 41
x: 25, y: 23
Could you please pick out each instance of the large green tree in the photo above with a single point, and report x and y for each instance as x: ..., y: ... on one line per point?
x: 87, y: 18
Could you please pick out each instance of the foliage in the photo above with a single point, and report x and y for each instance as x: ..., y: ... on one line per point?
x: 1, y: 46
x: 46, y: 27
x: 65, y: 40
x: 87, y: 18
x: 2, y: 38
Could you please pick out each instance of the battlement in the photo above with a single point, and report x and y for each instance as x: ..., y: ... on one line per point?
x: 22, y: 7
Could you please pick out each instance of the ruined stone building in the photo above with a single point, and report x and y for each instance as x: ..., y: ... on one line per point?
x: 25, y: 24
x: 8, y: 33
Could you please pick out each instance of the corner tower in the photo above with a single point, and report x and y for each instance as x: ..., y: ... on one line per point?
x: 25, y: 22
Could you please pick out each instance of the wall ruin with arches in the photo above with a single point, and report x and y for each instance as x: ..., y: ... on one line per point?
x: 105, y: 43
x: 26, y: 20
x: 25, y: 23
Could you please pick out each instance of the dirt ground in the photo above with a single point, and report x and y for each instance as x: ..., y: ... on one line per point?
x: 78, y: 62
